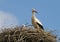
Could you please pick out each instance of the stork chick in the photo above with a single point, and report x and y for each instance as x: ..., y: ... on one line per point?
x: 35, y: 22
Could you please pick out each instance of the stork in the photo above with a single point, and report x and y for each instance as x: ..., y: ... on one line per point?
x: 35, y: 22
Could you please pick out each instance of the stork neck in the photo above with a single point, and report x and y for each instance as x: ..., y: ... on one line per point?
x: 33, y: 14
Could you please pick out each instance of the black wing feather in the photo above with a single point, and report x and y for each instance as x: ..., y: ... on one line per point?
x: 40, y: 26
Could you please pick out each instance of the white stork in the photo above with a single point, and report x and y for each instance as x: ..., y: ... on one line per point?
x: 35, y: 22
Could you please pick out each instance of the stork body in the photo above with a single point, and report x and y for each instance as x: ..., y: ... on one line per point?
x: 36, y: 23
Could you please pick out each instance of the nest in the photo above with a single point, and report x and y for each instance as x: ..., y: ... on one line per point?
x: 26, y: 34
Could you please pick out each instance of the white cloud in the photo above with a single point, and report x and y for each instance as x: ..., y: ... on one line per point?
x: 7, y: 20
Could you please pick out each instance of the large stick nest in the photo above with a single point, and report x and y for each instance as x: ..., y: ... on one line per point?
x: 25, y: 34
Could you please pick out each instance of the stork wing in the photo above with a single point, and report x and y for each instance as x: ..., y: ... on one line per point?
x: 38, y: 21
x: 40, y: 25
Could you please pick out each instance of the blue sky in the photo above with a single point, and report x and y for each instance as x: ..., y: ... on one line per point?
x: 49, y: 11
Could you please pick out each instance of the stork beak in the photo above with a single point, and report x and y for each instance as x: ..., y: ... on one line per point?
x: 36, y: 12
x: 33, y: 10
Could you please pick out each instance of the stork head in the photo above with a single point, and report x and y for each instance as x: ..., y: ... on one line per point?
x: 34, y: 11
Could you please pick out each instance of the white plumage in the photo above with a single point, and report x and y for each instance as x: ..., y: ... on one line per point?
x: 36, y: 23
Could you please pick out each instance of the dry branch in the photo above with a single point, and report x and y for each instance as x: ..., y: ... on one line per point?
x: 26, y: 34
